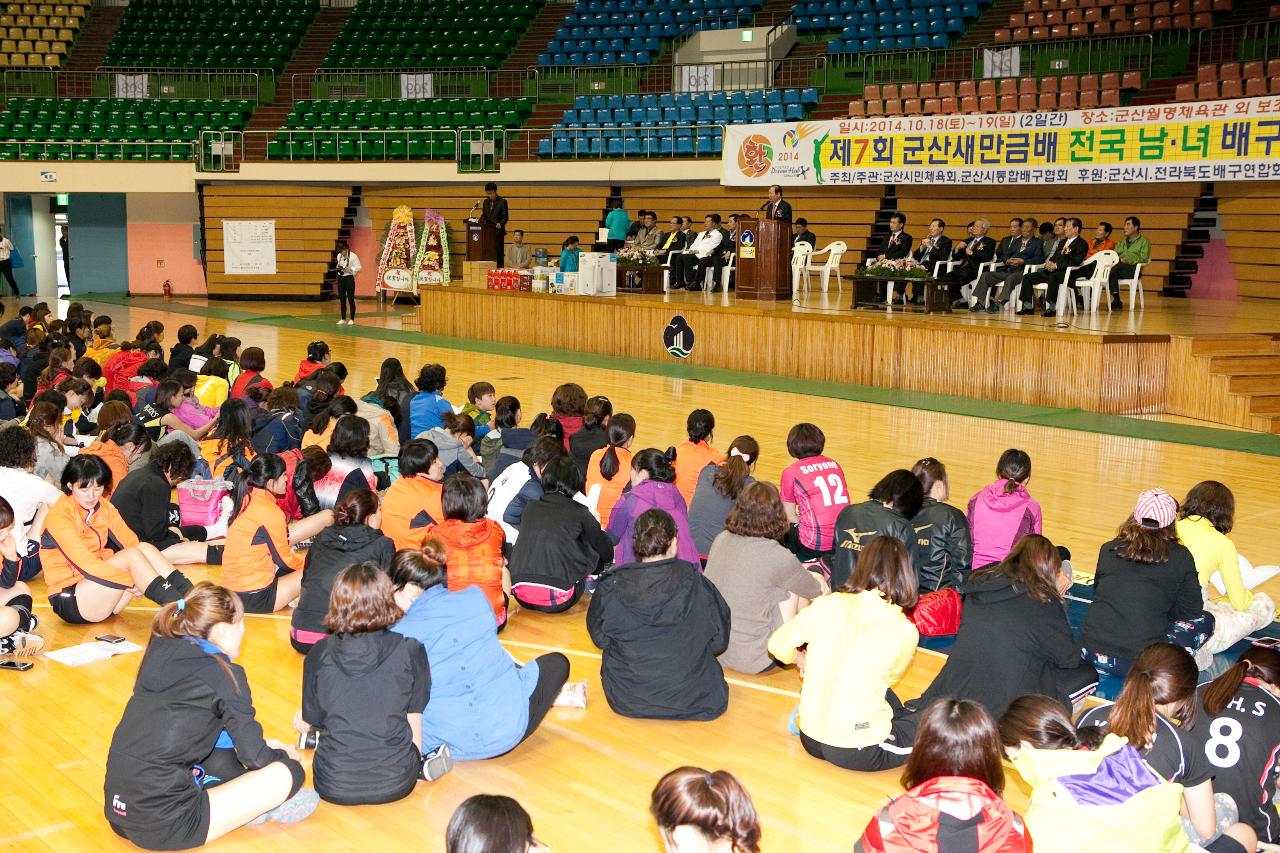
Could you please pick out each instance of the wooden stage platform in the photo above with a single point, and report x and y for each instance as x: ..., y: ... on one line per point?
x: 1152, y: 361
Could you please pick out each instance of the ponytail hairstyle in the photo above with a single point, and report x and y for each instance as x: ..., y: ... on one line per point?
x: 654, y: 532
x: 956, y: 737
x: 153, y: 330
x: 458, y: 424
x: 700, y: 424
x: 75, y: 385
x: 506, y: 412
x: 230, y: 350
x: 548, y: 426
x: 262, y: 470
x: 234, y: 432
x: 1014, y: 468
x: 60, y: 358
x: 930, y: 471
x: 1258, y: 662
x: 195, y: 615
x: 596, y: 412
x: 36, y: 339
x: 317, y: 352
x: 737, y: 467
x: 657, y: 464
x: 338, y: 406
x: 325, y: 385
x: 210, y: 344
x: 542, y: 452
x: 112, y: 413
x: 128, y: 432
x: 715, y: 803
x: 621, y: 429
x: 1163, y: 674
x: 1039, y: 721
x: 355, y: 507
x: 569, y: 400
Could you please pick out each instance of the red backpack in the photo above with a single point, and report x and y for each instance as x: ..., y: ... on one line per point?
x: 916, y: 822
x: 120, y: 368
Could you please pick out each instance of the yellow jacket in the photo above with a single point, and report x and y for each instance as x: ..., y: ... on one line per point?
x: 1214, y: 552
x: 859, y: 645
x: 212, y: 391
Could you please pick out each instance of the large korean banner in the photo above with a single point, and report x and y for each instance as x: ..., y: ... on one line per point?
x: 1237, y: 140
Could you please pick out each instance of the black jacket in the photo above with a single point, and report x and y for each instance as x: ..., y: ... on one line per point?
x: 333, y: 550
x: 497, y: 212
x: 358, y: 689
x: 584, y: 442
x: 856, y: 525
x: 515, y: 441
x: 10, y: 407
x: 1009, y: 645
x: 180, y: 356
x: 941, y: 252
x: 899, y: 249
x: 782, y: 212
x: 984, y: 251
x: 661, y: 626
x: 943, y: 548
x: 560, y: 543
x: 183, y: 699
x: 1068, y: 256
x: 276, y: 430
x: 33, y: 363
x: 1133, y: 603
x: 142, y: 499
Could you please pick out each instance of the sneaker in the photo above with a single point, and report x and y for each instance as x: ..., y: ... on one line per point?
x: 437, y: 763
x: 21, y: 644
x: 298, y: 807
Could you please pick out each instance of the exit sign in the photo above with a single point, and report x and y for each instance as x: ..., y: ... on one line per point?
x: 63, y: 199
x: 748, y: 35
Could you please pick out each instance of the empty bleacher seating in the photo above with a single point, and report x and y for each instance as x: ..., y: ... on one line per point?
x: 866, y: 26
x: 1028, y: 94
x: 1060, y: 19
x: 1232, y: 80
x: 227, y: 34
x: 39, y: 36
x: 407, y: 127
x: 112, y: 128
x: 671, y: 124
x: 430, y: 33
x: 626, y: 32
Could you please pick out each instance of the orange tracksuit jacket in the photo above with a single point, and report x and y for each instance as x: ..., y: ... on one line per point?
x: 410, y: 506
x: 257, y: 545
x: 690, y: 460
x: 474, y: 557
x: 610, y: 490
x: 110, y: 453
x: 76, y: 544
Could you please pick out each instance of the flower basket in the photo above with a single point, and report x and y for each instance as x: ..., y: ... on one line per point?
x: 634, y: 257
x: 900, y: 269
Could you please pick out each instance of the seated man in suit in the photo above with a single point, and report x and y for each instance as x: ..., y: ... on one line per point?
x: 1101, y: 242
x: 800, y: 233
x: 1069, y: 253
x: 648, y: 236
x: 898, y: 244
x: 933, y: 248
x: 689, y: 268
x: 673, y: 240
x: 1027, y: 250
x: 1015, y: 233
x: 970, y: 255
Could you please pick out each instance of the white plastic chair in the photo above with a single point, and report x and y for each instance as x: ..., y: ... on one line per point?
x: 966, y: 291
x: 799, y: 261
x: 1135, y: 288
x: 1066, y: 301
x: 666, y: 272
x: 1016, y: 294
x: 834, y: 252
x: 1093, y: 287
x: 730, y: 259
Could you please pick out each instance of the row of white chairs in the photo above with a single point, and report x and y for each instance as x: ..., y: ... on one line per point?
x: 802, y: 268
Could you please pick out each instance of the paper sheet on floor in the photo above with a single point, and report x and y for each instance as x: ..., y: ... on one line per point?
x: 1250, y: 575
x: 91, y: 652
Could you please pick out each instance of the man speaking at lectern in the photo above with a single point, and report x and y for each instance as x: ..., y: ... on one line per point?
x: 776, y: 207
x: 495, y: 211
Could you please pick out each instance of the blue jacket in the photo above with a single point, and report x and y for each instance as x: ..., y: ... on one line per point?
x: 569, y: 260
x: 425, y: 411
x: 617, y: 222
x: 479, y: 702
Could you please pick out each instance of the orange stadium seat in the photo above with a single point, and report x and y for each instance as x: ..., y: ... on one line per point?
x: 907, y: 91
x: 969, y: 105
x: 1089, y: 100
x: 1027, y: 86
x: 930, y: 90
x: 948, y: 106
x: 947, y: 89
x: 1048, y: 102
x: 1207, y: 91
x: 871, y: 92
x: 932, y: 106
x: 1232, y: 89
x: 967, y: 89
x: 1185, y: 92
x: 889, y: 91
x: 1255, y: 87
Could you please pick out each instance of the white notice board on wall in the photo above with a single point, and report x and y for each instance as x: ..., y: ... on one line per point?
x: 249, y: 246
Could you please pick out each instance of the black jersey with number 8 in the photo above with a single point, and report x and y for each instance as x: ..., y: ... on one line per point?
x: 1243, y: 744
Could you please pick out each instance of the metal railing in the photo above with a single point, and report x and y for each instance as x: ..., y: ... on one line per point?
x: 144, y: 83
x: 224, y: 151
x: 1239, y: 43
x: 1063, y: 56
x: 49, y: 150
x: 342, y: 83
x: 793, y: 73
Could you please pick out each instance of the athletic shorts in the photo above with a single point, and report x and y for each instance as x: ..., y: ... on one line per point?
x: 64, y: 604
x: 185, y: 827
x: 260, y: 600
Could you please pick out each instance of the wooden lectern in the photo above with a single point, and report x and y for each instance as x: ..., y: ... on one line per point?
x: 482, y: 240
x: 764, y: 259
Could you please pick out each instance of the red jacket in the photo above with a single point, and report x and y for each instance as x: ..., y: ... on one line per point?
x: 946, y: 813
x: 306, y: 368
x: 245, y: 381
x: 122, y: 367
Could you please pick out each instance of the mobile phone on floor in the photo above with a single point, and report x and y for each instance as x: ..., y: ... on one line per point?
x: 109, y: 638
x: 1269, y: 642
x: 16, y: 665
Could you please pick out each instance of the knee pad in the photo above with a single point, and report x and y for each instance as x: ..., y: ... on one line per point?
x: 165, y: 590
x: 298, y: 774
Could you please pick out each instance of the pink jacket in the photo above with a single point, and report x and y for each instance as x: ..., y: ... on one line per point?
x: 998, y: 519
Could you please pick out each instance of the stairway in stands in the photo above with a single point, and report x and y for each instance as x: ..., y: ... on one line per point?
x: 311, y: 52
x: 541, y: 31
x: 355, y: 201
x: 983, y: 30
x: 87, y: 53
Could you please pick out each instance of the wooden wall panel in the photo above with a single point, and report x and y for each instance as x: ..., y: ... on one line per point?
x: 1248, y: 216
x: 1096, y: 372
x: 307, y: 221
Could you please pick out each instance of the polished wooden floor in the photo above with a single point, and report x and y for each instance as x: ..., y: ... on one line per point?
x: 585, y: 775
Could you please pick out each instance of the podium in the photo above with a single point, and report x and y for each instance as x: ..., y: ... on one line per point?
x: 482, y: 240
x: 764, y: 259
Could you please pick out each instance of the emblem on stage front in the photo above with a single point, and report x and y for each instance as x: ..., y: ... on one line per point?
x: 678, y: 337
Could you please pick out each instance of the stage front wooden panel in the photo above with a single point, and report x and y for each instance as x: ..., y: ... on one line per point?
x: 307, y: 222
x: 1114, y: 374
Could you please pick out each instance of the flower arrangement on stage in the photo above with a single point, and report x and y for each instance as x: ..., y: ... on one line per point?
x: 432, y: 264
x: 635, y: 257
x: 397, y: 252
x: 901, y: 268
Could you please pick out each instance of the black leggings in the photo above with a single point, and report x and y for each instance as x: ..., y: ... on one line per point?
x: 553, y: 672
x: 892, y: 752
x: 347, y: 295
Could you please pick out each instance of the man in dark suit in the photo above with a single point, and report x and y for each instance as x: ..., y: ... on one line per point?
x: 1070, y: 252
x: 800, y: 233
x: 776, y: 207
x: 1003, y: 253
x: 898, y: 244
x: 933, y: 248
x: 968, y: 256
x: 1026, y: 251
x: 673, y: 240
x: 495, y: 211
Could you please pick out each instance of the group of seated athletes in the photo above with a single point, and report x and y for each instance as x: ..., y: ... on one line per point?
x: 422, y: 548
x: 1052, y: 254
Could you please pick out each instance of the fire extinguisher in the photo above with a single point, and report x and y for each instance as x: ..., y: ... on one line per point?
x: 167, y: 289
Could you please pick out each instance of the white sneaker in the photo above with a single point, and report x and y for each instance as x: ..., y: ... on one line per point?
x: 342, y: 322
